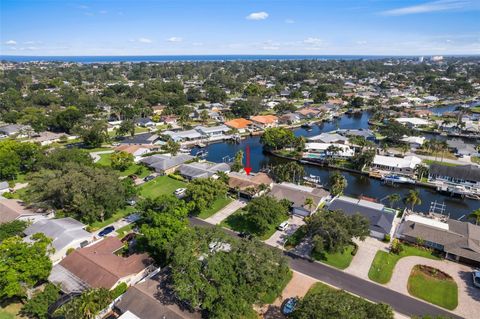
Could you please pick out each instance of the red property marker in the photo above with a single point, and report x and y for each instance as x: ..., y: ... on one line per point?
x: 247, y: 167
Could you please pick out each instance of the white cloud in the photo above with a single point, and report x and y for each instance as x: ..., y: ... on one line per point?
x: 313, y: 42
x: 11, y: 42
x: 434, y: 6
x: 289, y: 21
x: 361, y: 42
x: 144, y: 40
x: 175, y: 39
x: 197, y: 44
x: 262, y: 15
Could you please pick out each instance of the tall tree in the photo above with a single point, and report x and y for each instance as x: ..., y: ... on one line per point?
x: 413, y: 198
x: 475, y: 215
x: 237, y: 164
x: 393, y: 198
x: 86, y: 306
x: 265, y: 212
x: 337, y: 183
x: 122, y: 160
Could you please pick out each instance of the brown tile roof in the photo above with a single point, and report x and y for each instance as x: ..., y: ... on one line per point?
x: 298, y: 194
x: 238, y: 123
x: 264, y: 119
x: 132, y: 148
x: 11, y: 209
x: 98, y: 266
x: 308, y: 111
x: 241, y: 181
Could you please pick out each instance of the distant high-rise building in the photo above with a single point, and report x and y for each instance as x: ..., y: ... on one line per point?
x: 420, y: 59
x: 437, y: 58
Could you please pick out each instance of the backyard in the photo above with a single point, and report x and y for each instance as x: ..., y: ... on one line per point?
x: 434, y: 286
x: 139, y: 170
x: 382, y: 266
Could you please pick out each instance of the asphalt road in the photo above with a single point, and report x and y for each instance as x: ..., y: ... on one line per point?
x: 374, y: 292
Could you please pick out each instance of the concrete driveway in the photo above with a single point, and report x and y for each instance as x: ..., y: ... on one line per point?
x: 468, y: 295
x: 226, y: 211
x: 363, y: 259
x: 279, y: 237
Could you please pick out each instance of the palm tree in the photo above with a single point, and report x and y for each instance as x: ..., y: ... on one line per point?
x: 475, y: 215
x: 404, y: 148
x: 308, y: 203
x: 393, y: 198
x: 413, y: 198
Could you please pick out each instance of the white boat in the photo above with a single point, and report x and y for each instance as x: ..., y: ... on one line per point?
x: 396, y: 179
x: 312, y: 179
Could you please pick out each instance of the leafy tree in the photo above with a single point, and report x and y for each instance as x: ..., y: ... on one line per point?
x: 37, y: 306
x: 171, y: 147
x: 475, y: 215
x: 94, y: 193
x: 396, y: 246
x: 216, y: 94
x: 334, y: 230
x: 65, y: 120
x: 265, y: 212
x: 122, y: 160
x: 93, y: 133
x: 163, y: 220
x: 330, y: 303
x: 277, y: 137
x: 126, y: 127
x: 224, y: 276
x: 284, y: 107
x: 237, y: 164
x: 204, y: 116
x: 57, y: 158
x: 86, y: 306
x: 17, y: 157
x: 290, y: 172
x: 413, y: 198
x: 13, y: 228
x: 363, y: 159
x: 357, y: 102
x: 394, y: 131
x: 337, y: 183
x: 246, y: 108
x: 22, y: 264
x: 202, y: 192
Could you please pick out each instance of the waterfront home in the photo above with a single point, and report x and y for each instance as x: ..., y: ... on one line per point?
x: 264, y: 121
x: 137, y: 150
x: 413, y: 141
x: 14, y: 209
x: 213, y: 131
x: 460, y: 148
x: 16, y: 130
x: 365, y: 133
x: 380, y: 217
x: 66, y: 233
x: 398, y: 165
x: 465, y: 175
x: 47, y: 138
x: 413, y: 122
x: 169, y: 119
x: 289, y: 119
x: 202, y: 170
x: 184, y: 136
x: 249, y: 185
x: 141, y: 139
x: 460, y: 241
x: 165, y: 163
x: 298, y: 195
x: 4, y: 188
x: 152, y: 298
x: 101, y: 265
x: 309, y: 113
x: 240, y: 124
x: 325, y: 150
x: 330, y: 137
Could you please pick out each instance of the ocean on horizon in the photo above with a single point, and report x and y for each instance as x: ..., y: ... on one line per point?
x: 183, y: 58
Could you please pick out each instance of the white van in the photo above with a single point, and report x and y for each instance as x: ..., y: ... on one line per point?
x: 283, y: 226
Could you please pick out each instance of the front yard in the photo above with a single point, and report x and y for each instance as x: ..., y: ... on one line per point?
x: 382, y: 266
x: 434, y: 286
x: 118, y: 215
x: 137, y: 169
x: 339, y: 260
x: 218, y: 204
x: 161, y: 185
x: 237, y: 222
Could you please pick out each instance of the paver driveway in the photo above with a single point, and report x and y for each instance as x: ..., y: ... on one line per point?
x: 226, y: 211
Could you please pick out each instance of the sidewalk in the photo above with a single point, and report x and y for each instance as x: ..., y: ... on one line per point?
x: 228, y: 210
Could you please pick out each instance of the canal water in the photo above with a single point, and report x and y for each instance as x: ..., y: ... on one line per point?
x: 357, y: 184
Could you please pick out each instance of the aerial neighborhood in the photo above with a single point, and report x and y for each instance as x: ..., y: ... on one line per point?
x: 240, y: 189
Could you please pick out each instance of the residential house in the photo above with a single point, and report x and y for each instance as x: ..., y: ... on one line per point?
x: 460, y: 241
x: 14, y: 209
x: 380, y: 217
x: 164, y: 163
x: 365, y: 133
x: 460, y: 148
x: 264, y: 121
x: 289, y: 118
x: 4, y: 188
x: 412, y: 122
x: 413, y: 141
x: 213, y: 131
x: 138, y: 151
x: 309, y: 113
x: 184, y: 136
x: 298, y: 195
x: 202, y: 170
x: 158, y: 109
x: 141, y: 139
x: 249, y: 185
x: 464, y: 175
x: 47, y: 138
x: 322, y: 151
x: 145, y: 122
x: 16, y: 130
x: 66, y: 233
x: 398, y: 165
x: 329, y: 138
x: 240, y: 124
x: 169, y: 120
x: 101, y: 265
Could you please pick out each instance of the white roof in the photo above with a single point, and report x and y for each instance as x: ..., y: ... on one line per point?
x: 413, y: 120
x: 390, y: 161
x: 128, y: 315
x: 427, y: 221
x: 414, y: 139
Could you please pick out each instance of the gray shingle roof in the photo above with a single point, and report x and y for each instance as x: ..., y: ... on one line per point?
x: 298, y: 194
x: 465, y: 172
x: 164, y: 162
x: 202, y: 170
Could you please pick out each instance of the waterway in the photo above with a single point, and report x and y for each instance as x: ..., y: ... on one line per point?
x: 357, y: 184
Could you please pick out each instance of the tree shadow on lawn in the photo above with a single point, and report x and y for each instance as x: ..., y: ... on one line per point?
x: 471, y: 290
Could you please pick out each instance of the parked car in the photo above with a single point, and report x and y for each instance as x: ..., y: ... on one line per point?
x: 131, y: 202
x: 106, y: 231
x: 133, y: 176
x: 288, y: 306
x: 115, y: 144
x: 132, y: 218
x: 180, y: 192
x: 129, y: 237
x: 148, y: 178
x: 476, y: 278
x: 283, y: 226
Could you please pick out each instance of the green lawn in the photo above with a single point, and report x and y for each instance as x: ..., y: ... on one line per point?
x: 430, y: 162
x: 442, y: 292
x: 338, y: 260
x: 475, y: 109
x: 218, y: 204
x: 137, y: 169
x: 118, y: 215
x: 124, y: 230
x: 237, y: 222
x: 160, y: 186
x: 10, y: 311
x: 382, y: 266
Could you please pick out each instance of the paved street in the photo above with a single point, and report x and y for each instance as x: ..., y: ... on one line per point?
x: 374, y: 292
x: 226, y: 211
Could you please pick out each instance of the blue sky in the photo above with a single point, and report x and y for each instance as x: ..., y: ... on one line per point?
x: 165, y: 27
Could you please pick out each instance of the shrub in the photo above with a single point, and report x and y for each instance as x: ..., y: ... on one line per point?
x: 177, y: 177
x: 355, y: 249
x: 70, y: 250
x: 396, y: 247
x: 387, y: 238
x: 119, y: 290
